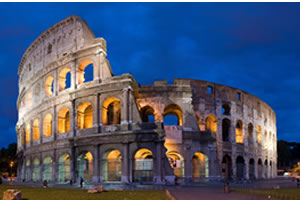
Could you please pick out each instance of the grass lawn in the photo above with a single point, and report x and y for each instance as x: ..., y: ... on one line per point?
x: 280, y: 194
x: 33, y: 193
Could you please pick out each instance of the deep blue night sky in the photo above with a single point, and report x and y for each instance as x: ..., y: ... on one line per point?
x: 252, y: 46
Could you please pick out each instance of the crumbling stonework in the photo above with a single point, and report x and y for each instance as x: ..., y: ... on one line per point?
x: 111, y: 129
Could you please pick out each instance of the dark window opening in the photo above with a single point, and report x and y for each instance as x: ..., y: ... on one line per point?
x: 225, y: 129
x: 209, y: 90
x: 238, y: 96
x: 89, y: 73
x: 68, y: 80
x: 49, y: 49
x: 226, y: 109
x: 171, y: 120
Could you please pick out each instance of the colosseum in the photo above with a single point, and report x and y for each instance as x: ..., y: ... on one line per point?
x: 109, y: 129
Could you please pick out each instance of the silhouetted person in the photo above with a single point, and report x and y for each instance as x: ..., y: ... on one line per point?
x: 81, y: 182
x: 45, y: 184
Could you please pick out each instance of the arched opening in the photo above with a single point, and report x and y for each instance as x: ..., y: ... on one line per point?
x: 259, y: 134
x: 143, y: 166
x: 172, y: 115
x: 270, y: 143
x: 47, y: 168
x: 36, y: 170
x: 177, y: 163
x: 240, y: 167
x: 266, y: 169
x: 225, y: 109
x: 111, y: 111
x: 200, y: 165
x: 211, y: 123
x: 252, y: 169
x: 36, y: 129
x: 27, y: 170
x: 225, y: 129
x: 112, y: 166
x: 266, y: 140
x: 85, y: 166
x: 226, y: 167
x: 47, y: 125
x: 64, y: 168
x: 49, y: 89
x: 250, y: 133
x: 85, y: 71
x: 84, y: 116
x: 239, y: 135
x: 259, y: 168
x: 63, y: 121
x: 64, y: 79
x: 271, y: 172
x: 147, y: 114
x: 27, y: 134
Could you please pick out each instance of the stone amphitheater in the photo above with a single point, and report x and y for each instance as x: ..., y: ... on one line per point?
x: 76, y: 119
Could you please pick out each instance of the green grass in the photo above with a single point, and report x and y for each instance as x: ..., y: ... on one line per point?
x: 280, y: 194
x: 33, y: 193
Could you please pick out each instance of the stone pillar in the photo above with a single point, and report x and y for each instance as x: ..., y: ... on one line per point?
x: 188, y: 171
x: 41, y: 167
x: 98, y: 113
x: 31, y: 132
x: 73, y: 119
x: 31, y: 170
x: 96, y: 165
x: 125, y: 164
x: 126, y: 108
x: 54, y: 123
x: 74, y: 72
x: 73, y: 164
x: 233, y: 158
x: 246, y: 173
x: 41, y: 129
x: 54, y: 167
x: 157, y: 178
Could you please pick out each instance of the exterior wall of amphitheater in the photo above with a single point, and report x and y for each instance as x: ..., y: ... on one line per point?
x: 102, y: 129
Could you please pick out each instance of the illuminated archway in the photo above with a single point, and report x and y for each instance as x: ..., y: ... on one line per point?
x: 177, y: 163
x: 64, y: 168
x: 258, y: 137
x: 111, y: 111
x: 172, y: 115
x: 143, y: 166
x: 239, y: 135
x: 266, y: 139
x: 27, y: 170
x: 47, y: 168
x: 200, y: 165
x: 47, y: 125
x: 36, y: 129
x: 63, y: 121
x: 49, y: 86
x: 85, y: 115
x: 85, y: 71
x: 250, y: 133
x: 64, y: 79
x: 211, y: 123
x: 85, y: 166
x: 112, y: 165
x: 27, y: 134
x: 36, y: 170
x: 29, y: 99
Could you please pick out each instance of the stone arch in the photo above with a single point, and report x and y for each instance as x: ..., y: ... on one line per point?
x: 27, y: 133
x: 47, y: 168
x: 85, y: 166
x: 49, y: 88
x: 266, y: 140
x: 111, y: 165
x: 227, y: 167
x: 211, y: 123
x: 259, y: 168
x: 266, y: 169
x: 85, y: 115
x: 64, y: 165
x: 63, y: 120
x: 176, y: 161
x: 64, y: 79
x: 47, y: 125
x: 82, y: 70
x: 250, y: 133
x: 251, y: 168
x: 111, y: 111
x: 147, y: 114
x: 258, y: 136
x: 36, y: 170
x: 27, y: 170
x: 173, y: 110
x: 239, y: 135
x: 29, y: 99
x: 225, y: 109
x: 200, y: 165
x: 226, y: 130
x: 36, y: 129
x: 240, y: 167
x: 143, y: 166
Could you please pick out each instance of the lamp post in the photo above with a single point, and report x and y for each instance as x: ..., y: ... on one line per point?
x: 11, y: 165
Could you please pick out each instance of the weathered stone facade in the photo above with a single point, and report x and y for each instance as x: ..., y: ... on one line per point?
x: 102, y: 129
